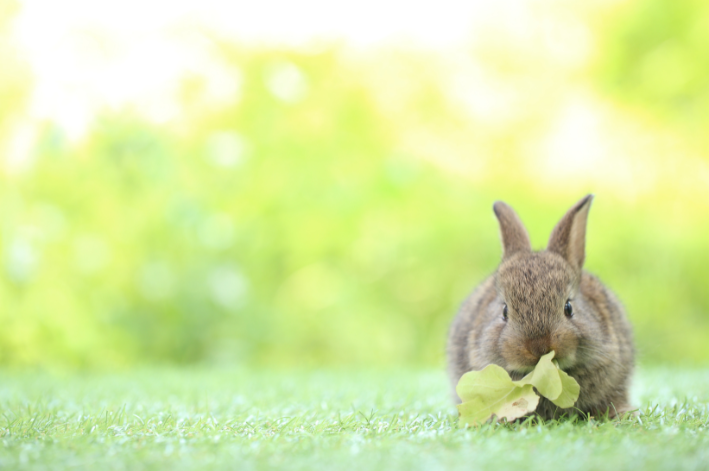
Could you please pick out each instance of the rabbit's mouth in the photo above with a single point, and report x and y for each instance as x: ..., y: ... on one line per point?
x: 520, y: 372
x: 567, y: 362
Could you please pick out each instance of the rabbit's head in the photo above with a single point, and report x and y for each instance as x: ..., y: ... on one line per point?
x: 540, y: 304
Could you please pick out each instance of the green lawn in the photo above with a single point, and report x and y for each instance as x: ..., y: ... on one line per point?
x: 227, y: 419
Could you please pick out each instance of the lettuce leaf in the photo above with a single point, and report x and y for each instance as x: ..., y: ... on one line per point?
x: 491, y: 392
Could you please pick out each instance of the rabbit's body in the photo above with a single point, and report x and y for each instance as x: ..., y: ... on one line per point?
x: 542, y: 301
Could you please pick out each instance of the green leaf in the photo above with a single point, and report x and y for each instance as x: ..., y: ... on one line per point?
x: 544, y: 377
x: 518, y: 402
x: 492, y: 379
x: 569, y: 392
x: 490, y: 392
x: 552, y: 382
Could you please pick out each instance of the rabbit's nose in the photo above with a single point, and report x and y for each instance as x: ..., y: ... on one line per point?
x: 538, y: 347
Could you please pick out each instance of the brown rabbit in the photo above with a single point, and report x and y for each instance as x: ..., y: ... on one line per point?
x: 542, y: 301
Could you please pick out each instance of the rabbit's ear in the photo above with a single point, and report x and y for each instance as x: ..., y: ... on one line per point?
x: 568, y: 238
x: 514, y: 235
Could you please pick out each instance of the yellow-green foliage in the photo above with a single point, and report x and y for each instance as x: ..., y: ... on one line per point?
x: 655, y: 57
x: 342, y: 226
x: 491, y: 392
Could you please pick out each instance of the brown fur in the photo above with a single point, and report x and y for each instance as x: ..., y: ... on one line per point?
x: 594, y: 346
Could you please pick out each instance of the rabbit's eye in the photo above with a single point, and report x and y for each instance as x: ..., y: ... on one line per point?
x: 568, y: 310
x: 504, y: 311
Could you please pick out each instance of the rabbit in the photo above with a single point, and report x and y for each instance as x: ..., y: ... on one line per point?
x: 541, y: 301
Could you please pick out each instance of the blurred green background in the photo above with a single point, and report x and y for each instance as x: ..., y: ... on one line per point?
x: 335, y: 207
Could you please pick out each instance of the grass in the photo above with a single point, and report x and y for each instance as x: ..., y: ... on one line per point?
x: 226, y: 419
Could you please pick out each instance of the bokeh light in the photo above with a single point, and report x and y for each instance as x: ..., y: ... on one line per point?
x: 310, y: 183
